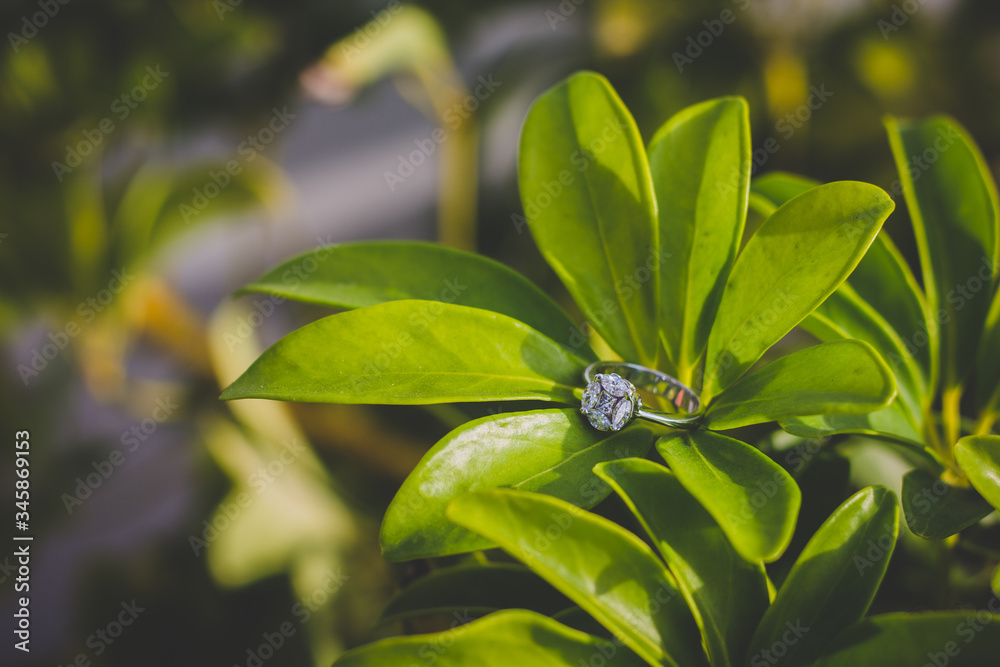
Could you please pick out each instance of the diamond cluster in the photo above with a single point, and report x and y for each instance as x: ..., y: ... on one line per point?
x: 610, y: 402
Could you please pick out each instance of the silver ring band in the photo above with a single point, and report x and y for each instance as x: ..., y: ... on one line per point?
x: 612, y: 400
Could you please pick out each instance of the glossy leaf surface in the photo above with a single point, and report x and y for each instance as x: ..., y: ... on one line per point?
x: 753, y: 499
x: 845, y: 376
x: 412, y: 352
x: 548, y: 451
x: 727, y: 593
x: 797, y: 258
x: 602, y: 567
x: 588, y: 199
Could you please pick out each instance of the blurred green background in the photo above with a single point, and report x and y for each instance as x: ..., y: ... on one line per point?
x: 158, y: 155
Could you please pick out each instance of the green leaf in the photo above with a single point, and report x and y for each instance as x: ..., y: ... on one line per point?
x: 955, y: 639
x: 845, y: 376
x: 833, y: 581
x: 502, y: 639
x: 700, y: 164
x: 727, y: 594
x: 548, y: 451
x: 885, y: 282
x: 475, y: 589
x: 845, y: 315
x: 605, y: 569
x: 953, y: 205
x: 979, y: 456
x: 891, y: 423
x: 882, y: 280
x: 797, y: 258
x: 588, y: 198
x: 753, y: 499
x: 355, y: 275
x: 412, y: 352
x: 770, y: 191
x: 935, y: 510
x: 988, y: 365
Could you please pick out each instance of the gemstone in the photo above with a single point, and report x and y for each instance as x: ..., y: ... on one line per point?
x: 622, y: 414
x: 610, y: 402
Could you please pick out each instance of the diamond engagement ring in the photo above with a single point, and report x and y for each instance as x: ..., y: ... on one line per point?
x: 611, y: 399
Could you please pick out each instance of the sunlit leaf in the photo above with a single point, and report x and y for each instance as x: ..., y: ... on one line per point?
x: 953, y: 205
x: 833, y: 581
x: 412, y: 352
x: 727, y: 594
x: 845, y: 376
x: 753, y: 499
x: 549, y: 451
x: 588, y: 198
x: 797, y: 258
x: 355, y: 275
x: 700, y: 164
x: 602, y: 567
